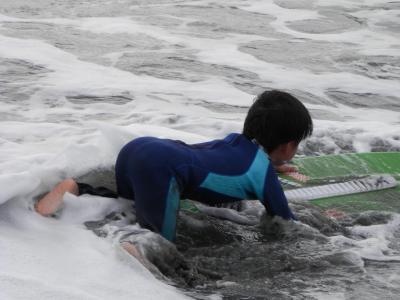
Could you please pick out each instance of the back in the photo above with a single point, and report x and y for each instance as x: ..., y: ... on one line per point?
x: 157, y: 172
x: 232, y: 169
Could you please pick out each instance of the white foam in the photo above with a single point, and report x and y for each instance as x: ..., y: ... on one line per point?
x: 350, y: 3
x: 78, y: 210
x: 224, y: 52
x: 358, y: 134
x: 47, y: 259
x: 375, y: 241
x: 73, y: 76
x: 39, y: 166
x: 281, y: 14
x: 375, y: 246
x: 369, y: 40
x: 323, y: 295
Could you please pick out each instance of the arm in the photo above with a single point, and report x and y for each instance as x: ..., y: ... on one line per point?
x: 274, y: 199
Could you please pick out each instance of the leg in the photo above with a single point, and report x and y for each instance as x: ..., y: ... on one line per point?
x: 144, y: 171
x: 157, y: 206
x: 156, y: 254
x: 157, y: 196
x: 51, y: 202
x: 96, y: 191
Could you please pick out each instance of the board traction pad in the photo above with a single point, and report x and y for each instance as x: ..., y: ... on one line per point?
x: 362, y: 185
x: 343, y: 167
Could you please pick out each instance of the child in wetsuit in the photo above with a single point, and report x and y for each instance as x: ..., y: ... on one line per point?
x: 157, y: 173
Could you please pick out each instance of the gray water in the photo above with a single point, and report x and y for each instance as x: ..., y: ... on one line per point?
x: 277, y: 261
x: 274, y: 260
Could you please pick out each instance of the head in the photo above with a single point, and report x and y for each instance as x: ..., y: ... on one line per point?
x: 278, y: 122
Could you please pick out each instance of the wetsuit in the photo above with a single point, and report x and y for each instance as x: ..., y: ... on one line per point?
x: 157, y: 173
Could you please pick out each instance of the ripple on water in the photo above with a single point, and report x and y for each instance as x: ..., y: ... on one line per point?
x: 332, y: 22
x: 16, y: 77
x: 365, y: 100
x: 90, y: 99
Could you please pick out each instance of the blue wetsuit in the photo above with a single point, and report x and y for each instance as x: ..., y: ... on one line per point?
x: 157, y: 173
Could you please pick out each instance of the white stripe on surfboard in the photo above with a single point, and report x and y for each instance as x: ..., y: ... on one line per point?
x: 367, y: 184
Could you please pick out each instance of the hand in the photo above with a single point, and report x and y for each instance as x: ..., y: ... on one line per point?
x: 285, y: 168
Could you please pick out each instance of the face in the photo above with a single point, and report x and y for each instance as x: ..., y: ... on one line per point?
x: 284, y: 152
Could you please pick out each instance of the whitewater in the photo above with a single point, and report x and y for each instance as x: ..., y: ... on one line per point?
x: 79, y: 79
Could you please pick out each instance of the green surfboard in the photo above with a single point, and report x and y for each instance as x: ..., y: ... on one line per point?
x: 343, y: 167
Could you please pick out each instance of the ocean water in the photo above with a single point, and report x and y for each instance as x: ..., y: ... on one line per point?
x: 80, y: 78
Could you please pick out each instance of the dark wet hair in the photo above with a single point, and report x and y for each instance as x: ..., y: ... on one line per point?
x: 277, y: 118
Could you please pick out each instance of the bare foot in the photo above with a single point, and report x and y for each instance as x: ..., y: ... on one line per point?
x: 50, y: 203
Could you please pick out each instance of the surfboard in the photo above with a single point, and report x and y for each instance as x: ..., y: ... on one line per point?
x: 328, y: 169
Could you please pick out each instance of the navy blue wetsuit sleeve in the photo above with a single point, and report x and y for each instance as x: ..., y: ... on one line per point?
x: 275, y: 201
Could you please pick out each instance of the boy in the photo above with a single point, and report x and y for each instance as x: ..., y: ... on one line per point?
x: 157, y: 173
